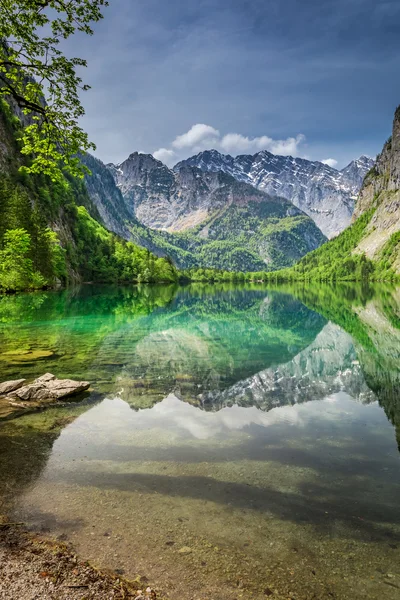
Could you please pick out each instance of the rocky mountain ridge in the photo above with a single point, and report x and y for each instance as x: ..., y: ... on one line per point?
x: 380, y: 193
x: 198, y: 218
x: 326, y: 194
x: 107, y: 197
x: 180, y: 199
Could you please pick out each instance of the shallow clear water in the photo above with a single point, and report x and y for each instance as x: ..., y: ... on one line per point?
x: 257, y: 428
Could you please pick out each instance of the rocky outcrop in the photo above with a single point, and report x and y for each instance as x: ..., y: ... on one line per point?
x: 322, y: 192
x: 381, y: 192
x: 10, y: 386
x: 48, y: 387
x: 385, y: 175
x: 15, y: 397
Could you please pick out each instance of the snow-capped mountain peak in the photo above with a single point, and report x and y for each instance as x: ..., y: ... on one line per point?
x: 323, y: 192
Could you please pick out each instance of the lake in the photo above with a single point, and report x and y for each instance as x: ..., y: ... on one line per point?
x: 239, y: 442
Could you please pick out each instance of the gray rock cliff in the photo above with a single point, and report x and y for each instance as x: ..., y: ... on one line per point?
x: 322, y: 192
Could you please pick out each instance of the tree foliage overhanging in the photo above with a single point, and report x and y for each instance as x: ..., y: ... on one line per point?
x: 43, y: 82
x: 47, y: 234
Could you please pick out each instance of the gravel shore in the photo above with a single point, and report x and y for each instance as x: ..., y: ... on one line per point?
x: 34, y: 568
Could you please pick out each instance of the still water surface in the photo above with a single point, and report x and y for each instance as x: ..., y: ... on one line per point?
x: 238, y: 442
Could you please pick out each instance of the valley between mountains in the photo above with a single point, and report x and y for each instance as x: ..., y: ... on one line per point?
x: 210, y: 217
x: 248, y: 213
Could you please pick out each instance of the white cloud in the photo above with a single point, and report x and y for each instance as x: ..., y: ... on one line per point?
x: 181, y: 418
x: 331, y: 162
x: 235, y: 143
x: 205, y: 137
x: 166, y: 156
x: 198, y: 134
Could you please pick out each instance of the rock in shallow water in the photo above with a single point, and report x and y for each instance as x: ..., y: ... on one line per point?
x: 61, y: 388
x: 46, y: 387
x: 10, y: 386
x: 33, y: 391
x: 44, y: 378
x: 185, y: 550
x: 42, y: 392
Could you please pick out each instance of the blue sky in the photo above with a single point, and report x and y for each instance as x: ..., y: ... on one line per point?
x: 314, y: 78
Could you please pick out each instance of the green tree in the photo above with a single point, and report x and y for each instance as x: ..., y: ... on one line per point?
x: 16, y: 268
x: 43, y: 82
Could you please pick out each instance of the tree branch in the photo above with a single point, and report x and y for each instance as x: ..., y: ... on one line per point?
x: 21, y: 101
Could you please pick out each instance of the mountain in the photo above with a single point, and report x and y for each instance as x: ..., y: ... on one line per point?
x: 180, y: 199
x: 107, y: 197
x: 114, y: 212
x: 356, y: 171
x: 370, y: 247
x: 322, y: 192
x: 203, y: 219
x: 51, y: 232
x: 380, y: 194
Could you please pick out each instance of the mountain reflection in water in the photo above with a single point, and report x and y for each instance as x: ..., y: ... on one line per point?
x: 261, y: 422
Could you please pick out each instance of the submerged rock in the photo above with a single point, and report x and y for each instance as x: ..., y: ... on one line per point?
x: 185, y: 550
x: 10, y: 386
x: 26, y: 355
x: 7, y: 408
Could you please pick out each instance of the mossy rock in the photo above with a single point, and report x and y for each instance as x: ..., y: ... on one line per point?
x: 18, y: 352
x: 27, y: 355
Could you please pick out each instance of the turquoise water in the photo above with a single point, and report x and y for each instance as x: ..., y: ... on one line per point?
x: 238, y: 442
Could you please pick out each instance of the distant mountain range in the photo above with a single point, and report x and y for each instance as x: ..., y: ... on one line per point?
x: 369, y: 249
x: 322, y: 192
x: 200, y: 218
x: 250, y: 212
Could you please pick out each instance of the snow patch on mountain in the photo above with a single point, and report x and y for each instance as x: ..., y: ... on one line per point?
x: 326, y: 194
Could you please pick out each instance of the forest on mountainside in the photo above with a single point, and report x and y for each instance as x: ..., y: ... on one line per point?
x: 49, y: 234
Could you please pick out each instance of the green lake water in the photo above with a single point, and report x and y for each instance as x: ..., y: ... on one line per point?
x: 237, y: 442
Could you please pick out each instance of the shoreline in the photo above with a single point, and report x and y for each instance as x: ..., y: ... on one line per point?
x: 35, y: 566
x: 184, y: 282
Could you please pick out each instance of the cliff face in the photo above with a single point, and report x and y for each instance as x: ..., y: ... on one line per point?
x: 78, y: 247
x: 106, y: 197
x: 182, y: 199
x: 381, y: 191
x: 322, y: 192
x: 39, y: 201
x: 7, y: 153
x: 385, y: 175
x: 199, y: 218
